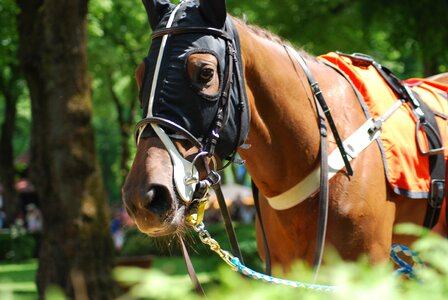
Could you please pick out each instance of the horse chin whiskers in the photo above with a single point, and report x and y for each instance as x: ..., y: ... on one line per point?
x: 185, y: 234
x: 182, y: 231
x: 166, y: 244
x: 171, y: 223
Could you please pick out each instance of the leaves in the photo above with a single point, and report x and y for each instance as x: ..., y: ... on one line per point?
x: 354, y: 280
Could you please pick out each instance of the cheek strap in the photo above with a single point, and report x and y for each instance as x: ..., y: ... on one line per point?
x: 183, y: 170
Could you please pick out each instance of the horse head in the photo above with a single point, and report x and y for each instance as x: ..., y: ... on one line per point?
x: 194, y: 111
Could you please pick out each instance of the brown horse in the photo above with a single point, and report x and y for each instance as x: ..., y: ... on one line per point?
x: 283, y: 138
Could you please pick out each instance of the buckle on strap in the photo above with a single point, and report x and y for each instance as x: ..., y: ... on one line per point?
x: 437, y: 193
x: 426, y: 128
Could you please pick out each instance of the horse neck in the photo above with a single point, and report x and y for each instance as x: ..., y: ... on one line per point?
x: 283, y: 134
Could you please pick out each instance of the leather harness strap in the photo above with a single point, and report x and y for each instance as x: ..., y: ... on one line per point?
x: 228, y: 222
x: 436, y: 164
x: 267, y: 252
x: 319, y: 98
x: 189, y: 30
x: 190, y: 269
x: 323, y: 112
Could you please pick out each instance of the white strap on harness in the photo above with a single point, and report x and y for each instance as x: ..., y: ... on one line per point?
x: 183, y: 169
x: 354, y: 144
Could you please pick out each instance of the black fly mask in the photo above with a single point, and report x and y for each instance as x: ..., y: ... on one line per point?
x: 221, y: 119
x: 176, y: 109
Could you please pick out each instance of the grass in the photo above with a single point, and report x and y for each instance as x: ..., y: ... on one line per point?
x: 17, y: 280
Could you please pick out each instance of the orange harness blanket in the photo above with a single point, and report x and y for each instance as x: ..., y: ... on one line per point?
x: 406, y: 168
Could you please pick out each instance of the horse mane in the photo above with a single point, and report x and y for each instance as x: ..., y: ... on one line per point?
x: 261, y: 32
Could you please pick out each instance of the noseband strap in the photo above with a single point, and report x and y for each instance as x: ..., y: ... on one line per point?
x: 168, y: 124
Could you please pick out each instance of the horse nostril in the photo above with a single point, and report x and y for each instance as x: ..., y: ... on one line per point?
x: 158, y: 199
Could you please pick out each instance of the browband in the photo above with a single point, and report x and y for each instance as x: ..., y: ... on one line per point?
x: 191, y: 30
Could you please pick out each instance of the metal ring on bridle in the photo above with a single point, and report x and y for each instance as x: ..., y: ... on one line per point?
x: 192, y: 180
x: 204, y: 153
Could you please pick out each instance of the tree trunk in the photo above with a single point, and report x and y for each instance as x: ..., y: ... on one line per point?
x: 7, y: 171
x: 76, y: 248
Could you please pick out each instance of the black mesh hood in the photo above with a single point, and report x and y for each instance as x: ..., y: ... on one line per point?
x: 177, y: 100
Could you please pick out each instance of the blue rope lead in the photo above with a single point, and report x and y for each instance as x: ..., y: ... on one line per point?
x: 236, y: 265
x: 405, y: 268
x: 269, y: 279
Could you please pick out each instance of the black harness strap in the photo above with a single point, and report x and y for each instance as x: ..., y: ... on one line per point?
x: 318, y: 96
x: 228, y: 223
x: 267, y: 252
x: 436, y: 163
x: 322, y: 111
x: 190, y: 269
x: 323, y: 200
x: 222, y: 114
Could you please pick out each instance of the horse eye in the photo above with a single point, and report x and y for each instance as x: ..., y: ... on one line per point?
x: 206, y: 74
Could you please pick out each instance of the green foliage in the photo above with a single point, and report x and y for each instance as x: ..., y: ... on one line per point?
x: 417, y: 30
x: 167, y: 278
x: 17, y: 245
x: 118, y: 40
x: 319, y: 26
x: 137, y: 244
x: 155, y: 285
x: 8, y: 34
x: 11, y: 80
x: 358, y: 280
x: 17, y: 280
x: 409, y: 37
x: 54, y: 293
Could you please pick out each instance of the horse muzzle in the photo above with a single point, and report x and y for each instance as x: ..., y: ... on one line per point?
x: 155, y: 211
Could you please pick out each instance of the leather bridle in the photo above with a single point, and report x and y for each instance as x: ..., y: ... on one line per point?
x: 207, y: 145
x: 222, y: 114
